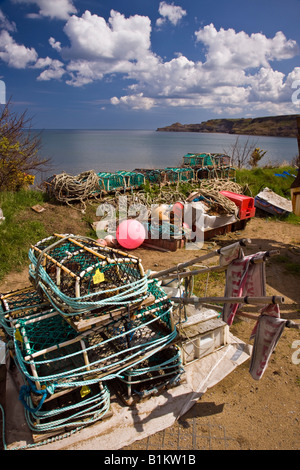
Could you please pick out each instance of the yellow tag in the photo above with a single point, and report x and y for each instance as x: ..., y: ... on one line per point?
x: 85, y: 390
x: 18, y: 336
x: 98, y: 277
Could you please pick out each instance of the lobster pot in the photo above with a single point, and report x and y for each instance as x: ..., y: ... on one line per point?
x: 48, y: 351
x: 154, y: 176
x: 111, y: 181
x: 77, y: 275
x: 180, y: 174
x: 21, y: 302
x: 132, y: 179
x: 226, y: 172
x: 172, y: 175
x: 186, y: 174
x: 206, y: 173
x: 79, y: 407
x: 189, y: 159
x: 221, y: 160
x: 160, y: 371
x: 197, y: 159
x: 202, y: 160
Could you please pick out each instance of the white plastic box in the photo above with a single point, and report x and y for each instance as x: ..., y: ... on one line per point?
x: 201, y: 335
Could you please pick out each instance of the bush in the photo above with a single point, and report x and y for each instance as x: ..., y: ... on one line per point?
x: 19, y: 150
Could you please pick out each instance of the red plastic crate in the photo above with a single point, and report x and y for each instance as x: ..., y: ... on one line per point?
x: 244, y: 203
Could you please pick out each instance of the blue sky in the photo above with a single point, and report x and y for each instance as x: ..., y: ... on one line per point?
x: 143, y: 64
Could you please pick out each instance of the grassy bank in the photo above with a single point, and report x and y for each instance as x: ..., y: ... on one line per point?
x: 18, y: 230
x: 257, y: 179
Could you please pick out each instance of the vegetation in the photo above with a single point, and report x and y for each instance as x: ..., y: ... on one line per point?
x: 278, y: 126
x: 258, y: 178
x: 243, y: 155
x: 18, y: 231
x: 256, y: 156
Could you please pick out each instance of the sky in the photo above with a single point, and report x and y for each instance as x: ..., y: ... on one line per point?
x: 143, y: 64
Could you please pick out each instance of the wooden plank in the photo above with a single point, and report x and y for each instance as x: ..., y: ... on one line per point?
x: 86, y: 323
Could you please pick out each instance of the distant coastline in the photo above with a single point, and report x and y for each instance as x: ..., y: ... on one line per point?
x: 273, y: 126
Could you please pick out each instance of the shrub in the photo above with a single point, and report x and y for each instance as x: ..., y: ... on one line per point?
x: 19, y: 150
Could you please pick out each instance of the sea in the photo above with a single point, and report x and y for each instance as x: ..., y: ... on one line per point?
x: 75, y: 151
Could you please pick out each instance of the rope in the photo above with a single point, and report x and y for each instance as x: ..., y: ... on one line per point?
x: 216, y: 202
x: 131, y: 353
x: 3, y: 427
x: 51, y: 355
x: 89, y: 184
x: 68, y: 189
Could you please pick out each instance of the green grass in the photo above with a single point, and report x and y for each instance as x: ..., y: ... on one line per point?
x: 17, y: 232
x: 259, y: 178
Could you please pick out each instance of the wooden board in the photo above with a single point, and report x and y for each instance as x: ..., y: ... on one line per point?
x: 86, y: 322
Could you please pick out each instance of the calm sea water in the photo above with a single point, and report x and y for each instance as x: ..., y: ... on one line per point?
x: 74, y: 151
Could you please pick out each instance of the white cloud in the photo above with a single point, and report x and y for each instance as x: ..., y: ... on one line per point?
x: 121, y: 38
x: 170, y: 12
x: 138, y: 101
x: 82, y: 72
x: 60, y: 9
x: 267, y: 84
x: 235, y: 75
x: 100, y: 48
x: 15, y: 55
x: 227, y: 48
x: 55, y: 44
x: 54, y: 69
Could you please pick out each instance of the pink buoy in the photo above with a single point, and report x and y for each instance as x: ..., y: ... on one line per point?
x: 130, y: 234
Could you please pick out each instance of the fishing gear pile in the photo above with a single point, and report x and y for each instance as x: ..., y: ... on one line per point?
x: 90, y: 184
x: 93, y: 322
x: 92, y: 316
